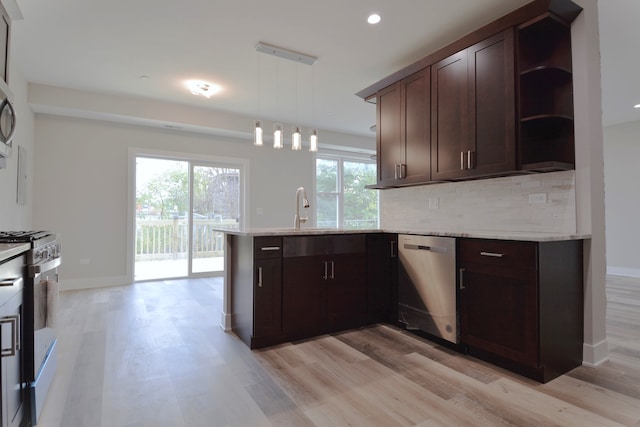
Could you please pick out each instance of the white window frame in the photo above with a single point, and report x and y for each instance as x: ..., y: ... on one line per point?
x: 340, y: 193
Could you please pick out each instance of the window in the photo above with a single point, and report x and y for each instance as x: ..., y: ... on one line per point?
x: 341, y: 199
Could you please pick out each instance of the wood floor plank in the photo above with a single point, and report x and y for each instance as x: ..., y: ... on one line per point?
x: 153, y: 354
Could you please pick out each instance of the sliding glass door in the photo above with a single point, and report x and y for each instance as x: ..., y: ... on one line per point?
x: 178, y: 205
x: 216, y: 203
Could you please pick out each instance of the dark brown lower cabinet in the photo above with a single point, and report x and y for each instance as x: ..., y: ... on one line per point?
x: 382, y: 277
x: 323, y: 284
x: 294, y: 287
x: 521, y: 304
x: 256, y: 289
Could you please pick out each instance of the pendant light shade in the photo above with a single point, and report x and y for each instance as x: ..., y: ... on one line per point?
x: 257, y: 135
x: 313, y: 141
x: 278, y: 137
x: 296, y: 139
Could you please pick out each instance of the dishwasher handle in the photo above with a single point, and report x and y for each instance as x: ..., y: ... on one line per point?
x: 437, y: 249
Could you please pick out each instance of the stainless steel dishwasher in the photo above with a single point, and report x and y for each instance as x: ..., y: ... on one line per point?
x: 427, y: 285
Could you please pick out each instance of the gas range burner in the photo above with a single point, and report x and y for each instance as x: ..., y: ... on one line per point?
x: 22, y: 236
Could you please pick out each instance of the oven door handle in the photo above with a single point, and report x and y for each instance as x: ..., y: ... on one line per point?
x: 37, y: 269
x: 14, y: 321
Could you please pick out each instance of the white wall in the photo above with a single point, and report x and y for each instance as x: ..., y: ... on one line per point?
x: 622, y: 175
x: 12, y: 215
x: 81, y: 187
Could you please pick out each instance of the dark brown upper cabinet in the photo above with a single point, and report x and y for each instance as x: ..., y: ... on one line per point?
x: 500, y: 103
x: 473, y: 114
x: 403, y: 131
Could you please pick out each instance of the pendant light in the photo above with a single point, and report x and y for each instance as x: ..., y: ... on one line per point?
x: 313, y: 134
x: 278, y: 137
x: 278, y: 134
x: 296, y: 139
x: 257, y: 133
x: 313, y: 141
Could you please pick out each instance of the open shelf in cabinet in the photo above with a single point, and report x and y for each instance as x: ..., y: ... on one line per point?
x: 546, y: 143
x: 545, y: 95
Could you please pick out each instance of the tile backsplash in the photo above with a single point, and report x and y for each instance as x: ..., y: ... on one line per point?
x: 527, y: 203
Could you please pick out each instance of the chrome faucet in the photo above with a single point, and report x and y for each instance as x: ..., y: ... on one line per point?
x: 296, y: 219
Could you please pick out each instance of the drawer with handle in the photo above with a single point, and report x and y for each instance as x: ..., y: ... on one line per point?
x: 511, y: 254
x: 267, y: 247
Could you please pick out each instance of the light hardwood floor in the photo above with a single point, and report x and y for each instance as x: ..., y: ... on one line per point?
x: 152, y: 354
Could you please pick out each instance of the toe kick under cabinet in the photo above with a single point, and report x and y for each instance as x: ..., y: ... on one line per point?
x: 521, y: 304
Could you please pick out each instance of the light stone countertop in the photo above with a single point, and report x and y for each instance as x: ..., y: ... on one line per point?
x: 499, y: 235
x: 8, y: 250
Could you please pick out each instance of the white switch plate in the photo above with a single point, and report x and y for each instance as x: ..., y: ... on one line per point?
x: 85, y: 261
x: 537, y: 198
x: 259, y: 211
x: 434, y: 203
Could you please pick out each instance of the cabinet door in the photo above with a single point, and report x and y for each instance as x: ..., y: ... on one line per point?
x: 416, y: 128
x: 382, y: 277
x: 390, y: 150
x: 304, y: 296
x: 491, y: 147
x: 267, y: 308
x: 450, y: 116
x: 346, y: 294
x: 499, y: 302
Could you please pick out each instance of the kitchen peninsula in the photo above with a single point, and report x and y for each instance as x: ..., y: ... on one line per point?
x: 521, y: 310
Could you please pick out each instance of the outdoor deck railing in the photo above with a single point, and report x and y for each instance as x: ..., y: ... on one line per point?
x: 158, y: 239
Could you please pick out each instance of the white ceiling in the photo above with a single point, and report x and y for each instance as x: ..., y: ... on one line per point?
x: 107, y: 45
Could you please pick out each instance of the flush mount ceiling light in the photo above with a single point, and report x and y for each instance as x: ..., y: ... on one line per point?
x: 200, y: 87
x: 374, y: 18
x: 278, y: 134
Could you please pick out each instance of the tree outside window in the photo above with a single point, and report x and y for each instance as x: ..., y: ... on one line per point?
x: 341, y: 198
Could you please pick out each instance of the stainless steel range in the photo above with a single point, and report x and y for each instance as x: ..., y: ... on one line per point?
x: 39, y: 314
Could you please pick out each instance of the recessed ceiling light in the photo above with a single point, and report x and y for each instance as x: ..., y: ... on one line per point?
x: 200, y: 87
x: 374, y: 18
x: 636, y: 106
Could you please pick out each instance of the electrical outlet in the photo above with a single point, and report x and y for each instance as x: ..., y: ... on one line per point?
x: 85, y: 261
x: 259, y: 211
x: 434, y: 203
x: 537, y: 198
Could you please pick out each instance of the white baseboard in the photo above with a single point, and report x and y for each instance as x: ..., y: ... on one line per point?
x: 93, y: 283
x: 595, y: 354
x: 225, y: 322
x: 623, y: 271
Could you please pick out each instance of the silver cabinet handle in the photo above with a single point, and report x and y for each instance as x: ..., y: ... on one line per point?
x: 270, y: 248
x: 259, y: 277
x: 461, y: 278
x: 492, y: 254
x: 15, y: 332
x: 403, y: 171
x: 333, y: 270
x: 469, y: 160
x: 394, y: 252
x: 396, y: 171
x: 325, y: 271
x: 462, y: 160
